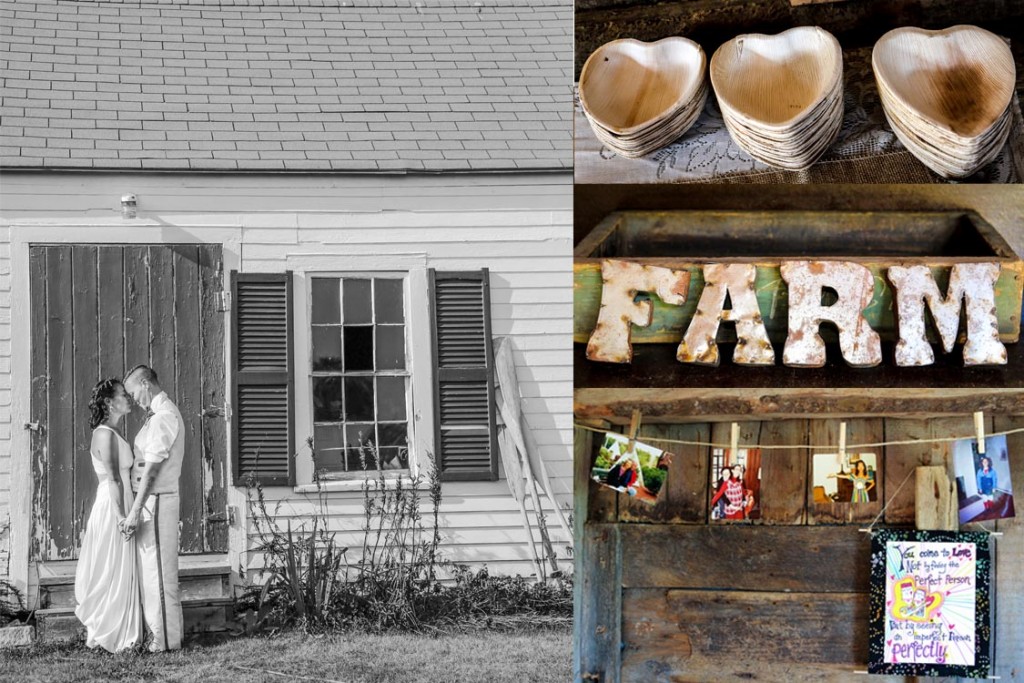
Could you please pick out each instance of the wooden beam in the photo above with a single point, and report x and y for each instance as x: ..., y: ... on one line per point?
x: 934, y: 500
x: 744, y: 557
x: 668, y: 405
x: 686, y: 635
x: 1008, y: 579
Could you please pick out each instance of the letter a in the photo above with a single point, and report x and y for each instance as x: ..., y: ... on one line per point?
x: 854, y: 283
x: 610, y: 340
x: 752, y: 347
x: 972, y: 286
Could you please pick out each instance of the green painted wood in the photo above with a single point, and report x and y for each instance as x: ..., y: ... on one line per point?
x: 85, y: 335
x: 189, y: 394
x: 38, y: 312
x: 214, y: 423
x: 670, y: 322
x: 57, y: 541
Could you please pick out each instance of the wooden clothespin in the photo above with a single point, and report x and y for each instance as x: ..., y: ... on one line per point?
x: 734, y: 441
x: 979, y: 429
x: 842, y: 442
x: 634, y: 425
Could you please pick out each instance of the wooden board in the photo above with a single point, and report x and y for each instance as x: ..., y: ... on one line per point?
x: 679, y: 404
x: 85, y: 335
x: 189, y: 394
x: 597, y: 619
x: 40, y: 405
x: 136, y: 320
x: 900, y: 463
x: 1008, y: 583
x: 58, y: 539
x: 602, y: 502
x: 110, y: 293
x: 729, y: 635
x: 214, y: 454
x: 784, y: 472
x: 745, y: 558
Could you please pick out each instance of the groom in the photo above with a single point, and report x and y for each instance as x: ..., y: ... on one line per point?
x: 159, y: 450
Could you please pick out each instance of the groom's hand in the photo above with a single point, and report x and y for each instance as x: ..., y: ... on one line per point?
x: 129, y: 523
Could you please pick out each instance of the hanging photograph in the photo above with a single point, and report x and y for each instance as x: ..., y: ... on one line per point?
x: 848, y: 478
x: 929, y: 603
x: 736, y: 484
x: 983, y: 480
x: 639, y: 471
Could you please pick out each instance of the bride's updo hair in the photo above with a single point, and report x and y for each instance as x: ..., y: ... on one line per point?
x: 104, y: 390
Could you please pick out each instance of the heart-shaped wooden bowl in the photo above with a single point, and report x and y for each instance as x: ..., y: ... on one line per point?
x: 773, y: 82
x: 958, y: 81
x: 628, y: 85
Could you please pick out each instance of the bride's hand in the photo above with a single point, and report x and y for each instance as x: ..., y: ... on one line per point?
x: 129, y: 524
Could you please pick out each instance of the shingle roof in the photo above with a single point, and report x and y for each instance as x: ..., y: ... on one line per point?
x: 297, y: 85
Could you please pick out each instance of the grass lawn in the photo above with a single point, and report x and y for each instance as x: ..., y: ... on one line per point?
x: 539, y: 656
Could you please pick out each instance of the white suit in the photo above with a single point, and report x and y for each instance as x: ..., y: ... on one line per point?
x: 161, y: 439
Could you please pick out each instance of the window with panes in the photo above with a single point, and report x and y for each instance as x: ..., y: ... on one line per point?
x: 359, y: 374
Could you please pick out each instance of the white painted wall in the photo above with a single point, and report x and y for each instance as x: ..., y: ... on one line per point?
x: 5, y: 396
x: 518, y: 226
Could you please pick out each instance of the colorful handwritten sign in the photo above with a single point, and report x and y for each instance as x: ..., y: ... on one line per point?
x: 929, y: 603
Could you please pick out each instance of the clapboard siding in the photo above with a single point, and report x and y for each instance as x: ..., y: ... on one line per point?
x: 517, y: 226
x: 5, y: 396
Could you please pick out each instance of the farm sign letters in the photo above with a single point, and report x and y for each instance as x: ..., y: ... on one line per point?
x: 971, y: 289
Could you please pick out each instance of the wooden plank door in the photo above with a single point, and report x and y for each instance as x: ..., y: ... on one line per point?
x: 96, y: 311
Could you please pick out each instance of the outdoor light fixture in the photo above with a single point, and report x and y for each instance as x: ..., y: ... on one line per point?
x: 129, y: 205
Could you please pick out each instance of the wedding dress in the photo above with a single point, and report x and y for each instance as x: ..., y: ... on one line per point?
x: 107, y: 579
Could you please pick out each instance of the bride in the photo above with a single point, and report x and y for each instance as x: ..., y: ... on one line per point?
x: 106, y: 581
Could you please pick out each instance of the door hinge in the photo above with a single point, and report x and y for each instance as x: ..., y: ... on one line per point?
x: 34, y: 427
x: 231, y: 516
x: 216, y: 411
x: 225, y: 302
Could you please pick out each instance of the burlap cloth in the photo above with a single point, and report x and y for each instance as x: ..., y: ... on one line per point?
x: 866, y: 150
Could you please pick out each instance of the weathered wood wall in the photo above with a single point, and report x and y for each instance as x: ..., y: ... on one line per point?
x: 97, y: 311
x: 517, y: 226
x: 666, y: 594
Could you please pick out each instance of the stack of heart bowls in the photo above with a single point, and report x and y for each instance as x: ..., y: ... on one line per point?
x: 639, y: 97
x: 946, y: 94
x: 781, y: 96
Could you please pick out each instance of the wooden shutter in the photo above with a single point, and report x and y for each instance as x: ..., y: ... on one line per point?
x: 465, y: 433
x: 263, y: 389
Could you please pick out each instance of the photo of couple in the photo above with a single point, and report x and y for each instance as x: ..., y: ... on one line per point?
x: 126, y: 581
x: 636, y: 469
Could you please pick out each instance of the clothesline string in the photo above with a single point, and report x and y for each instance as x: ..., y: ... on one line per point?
x: 828, y: 448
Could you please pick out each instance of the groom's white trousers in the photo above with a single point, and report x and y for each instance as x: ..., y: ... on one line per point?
x: 157, y: 539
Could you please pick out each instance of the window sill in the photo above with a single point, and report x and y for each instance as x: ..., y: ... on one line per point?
x: 351, y: 485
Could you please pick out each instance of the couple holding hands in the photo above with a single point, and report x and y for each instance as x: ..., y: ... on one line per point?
x: 126, y: 581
